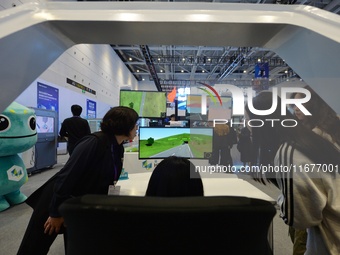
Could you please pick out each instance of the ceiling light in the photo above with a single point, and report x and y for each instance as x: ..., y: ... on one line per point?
x: 130, y: 59
x: 182, y: 71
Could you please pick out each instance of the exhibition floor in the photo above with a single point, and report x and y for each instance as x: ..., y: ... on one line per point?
x: 13, y: 221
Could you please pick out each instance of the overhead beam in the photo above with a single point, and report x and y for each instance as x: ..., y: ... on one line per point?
x: 34, y: 35
x: 151, y: 66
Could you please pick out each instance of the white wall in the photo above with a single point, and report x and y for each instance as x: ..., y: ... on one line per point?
x: 95, y: 66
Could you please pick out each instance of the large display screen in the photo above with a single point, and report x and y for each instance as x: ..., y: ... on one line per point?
x: 45, y: 124
x: 175, y: 141
x: 148, y: 104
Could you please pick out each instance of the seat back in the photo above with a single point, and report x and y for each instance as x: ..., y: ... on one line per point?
x: 99, y: 224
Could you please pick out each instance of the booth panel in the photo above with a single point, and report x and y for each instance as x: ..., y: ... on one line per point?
x: 45, y: 150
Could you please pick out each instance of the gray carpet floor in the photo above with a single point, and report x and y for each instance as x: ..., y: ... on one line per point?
x: 13, y: 221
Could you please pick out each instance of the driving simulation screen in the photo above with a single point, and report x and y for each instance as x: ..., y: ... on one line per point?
x: 160, y: 142
x: 148, y: 104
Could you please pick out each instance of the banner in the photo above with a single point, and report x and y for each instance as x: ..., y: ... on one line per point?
x: 262, y: 70
x: 91, y: 112
x: 47, y: 97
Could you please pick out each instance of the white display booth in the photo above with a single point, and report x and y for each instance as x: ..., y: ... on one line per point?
x: 304, y: 36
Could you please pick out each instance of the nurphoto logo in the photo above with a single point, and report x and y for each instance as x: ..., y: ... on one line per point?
x: 239, y: 102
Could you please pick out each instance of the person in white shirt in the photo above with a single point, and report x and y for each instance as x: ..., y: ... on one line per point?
x: 305, y: 168
x: 325, y: 122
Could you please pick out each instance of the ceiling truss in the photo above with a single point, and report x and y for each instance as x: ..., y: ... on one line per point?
x: 172, y: 65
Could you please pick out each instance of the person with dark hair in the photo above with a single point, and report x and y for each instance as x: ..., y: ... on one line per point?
x: 310, y: 196
x: 93, y: 168
x: 74, y: 128
x: 222, y: 144
x: 324, y: 121
x: 175, y: 177
x: 244, y: 146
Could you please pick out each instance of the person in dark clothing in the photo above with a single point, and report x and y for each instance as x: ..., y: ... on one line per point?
x: 74, y: 128
x: 222, y: 143
x: 93, y: 168
x: 175, y: 177
x: 232, y: 136
x: 244, y: 146
x: 231, y: 140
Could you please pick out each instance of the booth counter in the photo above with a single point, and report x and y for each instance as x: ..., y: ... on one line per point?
x: 132, y: 164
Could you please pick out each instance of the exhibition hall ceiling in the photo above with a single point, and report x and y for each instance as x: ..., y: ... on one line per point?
x: 183, y: 65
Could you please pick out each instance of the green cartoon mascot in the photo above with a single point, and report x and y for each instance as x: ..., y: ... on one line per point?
x: 17, y: 134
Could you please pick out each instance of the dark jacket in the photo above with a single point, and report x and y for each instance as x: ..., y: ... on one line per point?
x: 94, y: 165
x: 244, y: 145
x: 74, y: 128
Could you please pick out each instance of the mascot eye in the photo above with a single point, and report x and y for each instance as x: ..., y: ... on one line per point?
x: 5, y: 123
x: 32, y: 123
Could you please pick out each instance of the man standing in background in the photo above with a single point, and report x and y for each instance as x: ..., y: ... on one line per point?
x: 74, y: 128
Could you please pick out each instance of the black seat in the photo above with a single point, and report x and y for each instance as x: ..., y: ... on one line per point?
x: 98, y: 224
